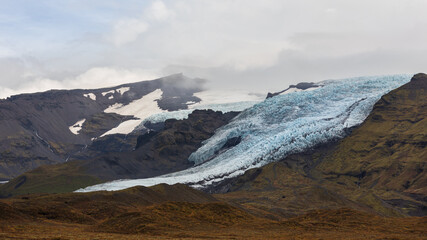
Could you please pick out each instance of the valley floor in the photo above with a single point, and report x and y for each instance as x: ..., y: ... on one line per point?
x: 325, y: 224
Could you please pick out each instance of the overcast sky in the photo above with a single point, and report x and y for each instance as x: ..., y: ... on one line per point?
x: 236, y: 44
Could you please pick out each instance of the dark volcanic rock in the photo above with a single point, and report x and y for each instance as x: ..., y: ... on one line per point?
x: 34, y: 128
x: 163, y: 152
x: 155, y: 153
x: 301, y: 86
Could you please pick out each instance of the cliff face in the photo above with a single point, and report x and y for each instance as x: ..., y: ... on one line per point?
x: 379, y: 167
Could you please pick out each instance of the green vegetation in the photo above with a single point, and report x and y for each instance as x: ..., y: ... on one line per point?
x: 49, y: 179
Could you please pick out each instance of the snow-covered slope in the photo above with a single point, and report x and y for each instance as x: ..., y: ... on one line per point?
x: 147, y: 107
x: 277, y: 127
x: 141, y: 109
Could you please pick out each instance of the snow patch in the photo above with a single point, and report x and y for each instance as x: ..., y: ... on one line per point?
x: 105, y: 93
x: 275, y: 128
x: 122, y: 90
x: 3, y: 182
x: 76, y: 127
x: 111, y: 97
x: 125, y: 127
x: 141, y: 109
x: 90, y: 95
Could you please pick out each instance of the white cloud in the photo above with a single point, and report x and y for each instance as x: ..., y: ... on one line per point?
x: 158, y: 11
x: 241, y: 43
x: 128, y: 30
x: 93, y: 78
x: 105, y: 77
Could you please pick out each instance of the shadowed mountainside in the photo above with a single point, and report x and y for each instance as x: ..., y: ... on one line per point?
x: 156, y: 153
x: 35, y: 128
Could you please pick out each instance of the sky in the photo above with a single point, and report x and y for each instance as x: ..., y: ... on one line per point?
x: 254, y: 45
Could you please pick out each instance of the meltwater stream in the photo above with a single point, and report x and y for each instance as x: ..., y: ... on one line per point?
x: 275, y: 128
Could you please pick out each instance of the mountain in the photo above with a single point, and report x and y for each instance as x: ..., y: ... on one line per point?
x: 388, y: 151
x: 344, y: 161
x: 156, y: 153
x: 45, y: 128
x: 277, y: 127
x: 379, y: 167
x: 61, y: 125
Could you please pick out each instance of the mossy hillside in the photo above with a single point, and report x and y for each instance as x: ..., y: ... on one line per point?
x: 388, y: 150
x: 58, y: 178
x: 379, y: 167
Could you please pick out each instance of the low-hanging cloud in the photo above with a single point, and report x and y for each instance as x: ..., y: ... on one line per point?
x: 93, y: 78
x: 257, y: 45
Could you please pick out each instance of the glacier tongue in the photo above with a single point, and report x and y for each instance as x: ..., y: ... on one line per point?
x: 275, y: 128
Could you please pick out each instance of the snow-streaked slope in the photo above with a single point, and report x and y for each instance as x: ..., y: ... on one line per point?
x: 147, y: 109
x: 277, y: 127
x: 121, y: 90
x: 141, y: 109
x: 76, y: 127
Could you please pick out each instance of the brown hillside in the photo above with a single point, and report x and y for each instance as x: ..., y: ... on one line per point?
x: 388, y: 151
x: 154, y: 213
x: 379, y: 168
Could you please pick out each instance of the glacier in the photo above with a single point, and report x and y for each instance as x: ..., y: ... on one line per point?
x: 224, y: 101
x: 183, y: 114
x: 275, y: 128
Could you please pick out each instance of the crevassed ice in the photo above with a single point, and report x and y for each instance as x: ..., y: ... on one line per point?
x: 275, y: 128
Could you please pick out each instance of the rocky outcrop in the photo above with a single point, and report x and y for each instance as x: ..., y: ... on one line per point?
x: 299, y: 86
